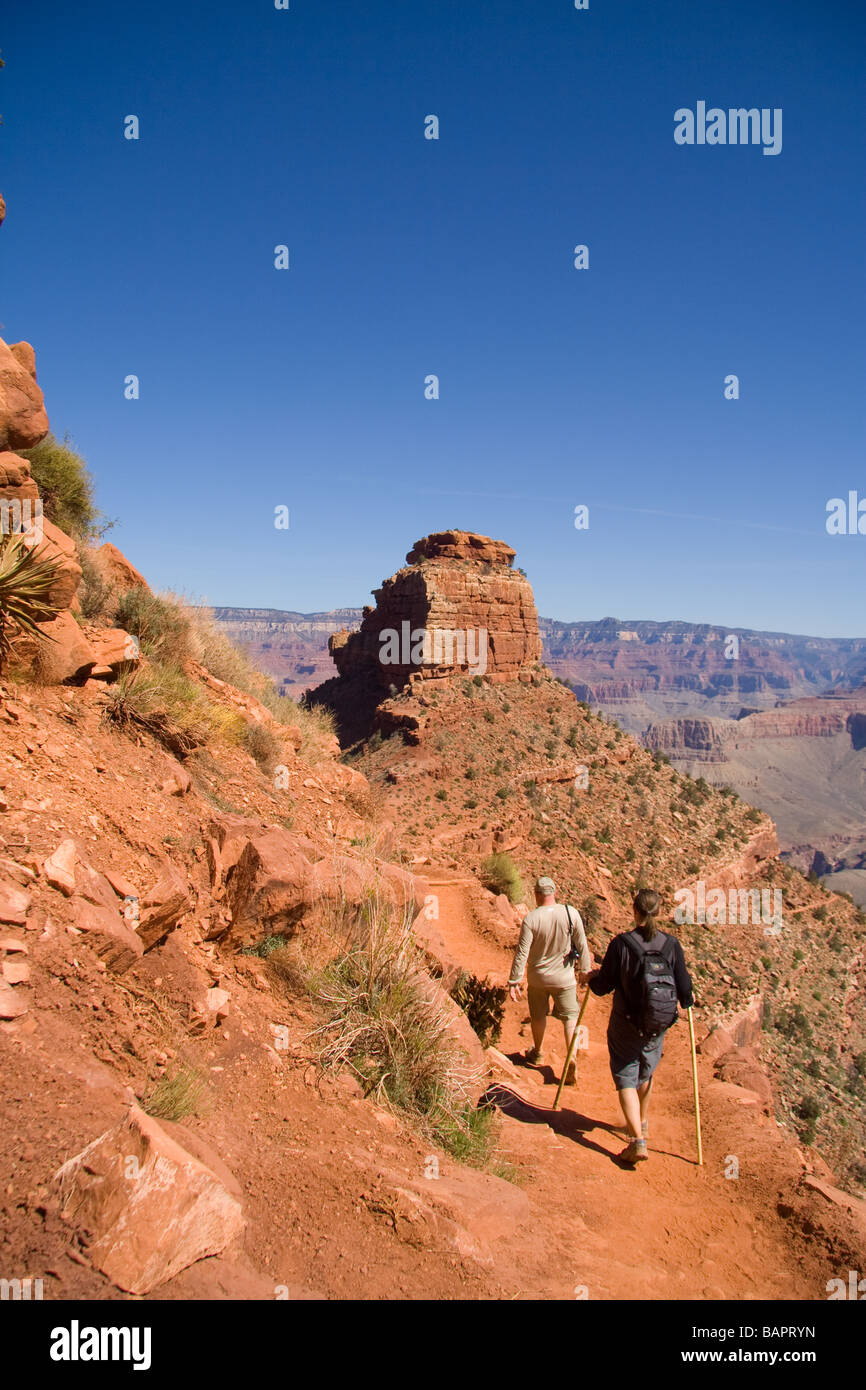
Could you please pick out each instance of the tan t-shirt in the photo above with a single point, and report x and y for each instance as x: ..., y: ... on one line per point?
x: 543, y: 945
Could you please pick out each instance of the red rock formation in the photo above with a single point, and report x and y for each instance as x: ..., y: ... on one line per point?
x: 116, y: 571
x: 23, y: 421
x: 454, y: 582
x: 457, y: 608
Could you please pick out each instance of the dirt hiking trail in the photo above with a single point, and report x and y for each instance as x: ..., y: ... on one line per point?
x: 666, y: 1229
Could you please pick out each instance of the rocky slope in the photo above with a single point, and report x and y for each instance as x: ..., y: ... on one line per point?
x: 172, y: 1129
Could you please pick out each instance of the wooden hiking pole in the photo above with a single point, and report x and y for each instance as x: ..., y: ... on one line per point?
x: 695, y: 1083
x: 572, y: 1047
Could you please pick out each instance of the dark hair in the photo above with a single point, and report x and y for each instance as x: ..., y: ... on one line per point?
x: 646, y: 904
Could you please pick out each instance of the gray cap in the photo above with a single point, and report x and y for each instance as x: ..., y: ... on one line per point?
x: 545, y: 885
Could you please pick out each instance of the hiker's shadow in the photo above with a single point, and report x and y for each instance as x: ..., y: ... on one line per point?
x: 567, y: 1123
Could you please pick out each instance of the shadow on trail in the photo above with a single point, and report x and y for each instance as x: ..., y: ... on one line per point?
x: 567, y: 1123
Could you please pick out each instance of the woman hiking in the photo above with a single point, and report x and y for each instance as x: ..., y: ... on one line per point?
x: 646, y: 970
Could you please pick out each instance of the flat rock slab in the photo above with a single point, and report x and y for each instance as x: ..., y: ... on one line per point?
x: 148, y: 1207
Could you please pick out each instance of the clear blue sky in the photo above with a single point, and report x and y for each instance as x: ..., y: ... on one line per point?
x: 408, y: 257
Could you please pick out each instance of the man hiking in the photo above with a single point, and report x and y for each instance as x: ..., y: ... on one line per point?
x: 646, y: 970
x: 551, y: 939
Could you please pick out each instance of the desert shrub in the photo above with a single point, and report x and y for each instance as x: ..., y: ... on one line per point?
x: 794, y: 1024
x: 174, y: 709
x: 262, y: 743
x: 385, y: 1028
x: 441, y: 794
x: 172, y: 633
x: 178, y: 1094
x: 483, y: 1003
x: 264, y: 948
x: 591, y: 913
x: 230, y: 664
x: 66, y: 488
x: 94, y: 594
x: 26, y: 577
x: 159, y: 622
x: 500, y: 874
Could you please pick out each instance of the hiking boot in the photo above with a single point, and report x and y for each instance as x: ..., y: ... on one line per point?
x: 635, y: 1153
x: 533, y: 1056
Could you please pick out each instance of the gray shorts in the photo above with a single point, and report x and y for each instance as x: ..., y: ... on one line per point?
x: 633, y: 1059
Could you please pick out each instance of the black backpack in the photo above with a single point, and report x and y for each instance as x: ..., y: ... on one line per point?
x: 654, y: 991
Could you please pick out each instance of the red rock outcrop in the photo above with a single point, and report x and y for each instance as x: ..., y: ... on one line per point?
x: 23, y: 421
x: 458, y: 607
x: 116, y: 571
x: 454, y: 583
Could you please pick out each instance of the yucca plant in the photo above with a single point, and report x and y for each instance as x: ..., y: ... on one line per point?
x: 26, y: 577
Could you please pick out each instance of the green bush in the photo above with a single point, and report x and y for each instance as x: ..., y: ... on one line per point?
x: 484, y: 1005
x: 809, y: 1108
x: 384, y: 1027
x: 500, y: 874
x: 66, y: 488
x: 159, y: 622
x: 26, y: 577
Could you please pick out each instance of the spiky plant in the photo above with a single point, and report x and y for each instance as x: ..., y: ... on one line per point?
x: 26, y: 577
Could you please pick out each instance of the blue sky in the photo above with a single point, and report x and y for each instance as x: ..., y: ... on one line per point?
x: 408, y: 257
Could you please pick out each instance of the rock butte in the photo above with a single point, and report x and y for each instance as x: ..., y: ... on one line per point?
x: 453, y: 582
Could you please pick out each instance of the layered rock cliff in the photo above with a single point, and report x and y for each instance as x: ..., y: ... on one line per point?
x: 707, y: 739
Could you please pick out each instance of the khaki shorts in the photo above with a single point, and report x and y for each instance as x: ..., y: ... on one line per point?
x: 565, y: 1006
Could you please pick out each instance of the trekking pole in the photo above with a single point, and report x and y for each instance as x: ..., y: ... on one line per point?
x: 695, y: 1082
x: 572, y: 1047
